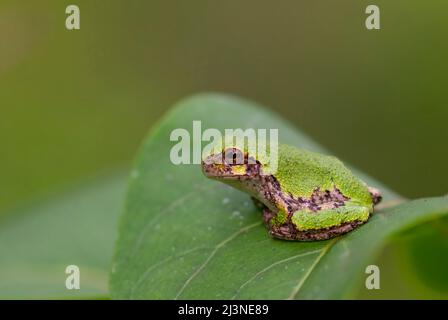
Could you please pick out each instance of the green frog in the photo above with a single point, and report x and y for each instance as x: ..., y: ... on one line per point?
x: 310, y: 196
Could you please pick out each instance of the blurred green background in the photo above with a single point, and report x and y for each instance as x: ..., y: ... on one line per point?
x: 75, y: 103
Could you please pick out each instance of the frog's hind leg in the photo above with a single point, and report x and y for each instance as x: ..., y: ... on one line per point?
x: 287, y: 230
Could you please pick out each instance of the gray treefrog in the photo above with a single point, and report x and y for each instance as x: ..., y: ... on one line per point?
x: 310, y: 196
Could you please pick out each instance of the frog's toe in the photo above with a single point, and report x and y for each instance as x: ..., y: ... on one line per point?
x: 267, y: 216
x: 376, y: 195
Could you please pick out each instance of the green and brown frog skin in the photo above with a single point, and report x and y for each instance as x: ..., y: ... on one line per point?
x: 310, y: 196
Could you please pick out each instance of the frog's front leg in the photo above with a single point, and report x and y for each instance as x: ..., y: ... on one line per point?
x: 282, y: 231
x: 258, y: 203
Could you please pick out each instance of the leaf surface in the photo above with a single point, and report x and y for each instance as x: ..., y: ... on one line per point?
x: 183, y: 236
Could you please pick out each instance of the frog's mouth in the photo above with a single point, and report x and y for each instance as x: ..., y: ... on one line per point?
x: 223, y: 171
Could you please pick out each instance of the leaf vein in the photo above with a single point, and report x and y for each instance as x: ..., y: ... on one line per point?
x: 169, y: 208
x: 212, y: 254
x: 299, y: 286
x: 270, y: 267
x: 155, y: 265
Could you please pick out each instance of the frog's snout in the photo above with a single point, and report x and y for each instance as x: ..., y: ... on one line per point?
x: 213, y: 167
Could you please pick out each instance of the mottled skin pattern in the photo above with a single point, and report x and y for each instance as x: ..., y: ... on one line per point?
x: 307, y: 186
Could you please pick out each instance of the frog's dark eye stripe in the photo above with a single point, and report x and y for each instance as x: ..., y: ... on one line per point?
x: 233, y: 156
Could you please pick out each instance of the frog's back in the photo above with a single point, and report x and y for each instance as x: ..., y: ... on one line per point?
x: 300, y: 172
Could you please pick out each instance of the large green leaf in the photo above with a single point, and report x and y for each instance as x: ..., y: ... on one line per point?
x: 183, y: 236
x: 77, y: 227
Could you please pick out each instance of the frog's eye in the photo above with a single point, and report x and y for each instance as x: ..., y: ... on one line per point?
x: 233, y: 156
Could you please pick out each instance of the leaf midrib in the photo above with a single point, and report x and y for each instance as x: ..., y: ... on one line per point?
x: 295, y: 291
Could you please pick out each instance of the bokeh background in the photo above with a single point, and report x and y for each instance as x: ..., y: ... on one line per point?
x: 75, y: 103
